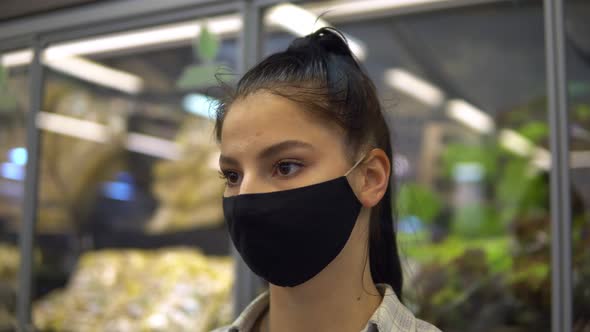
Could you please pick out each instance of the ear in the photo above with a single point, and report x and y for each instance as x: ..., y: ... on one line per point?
x: 375, y: 178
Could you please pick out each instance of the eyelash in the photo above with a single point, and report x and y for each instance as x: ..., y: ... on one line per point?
x: 286, y: 162
x: 224, y: 174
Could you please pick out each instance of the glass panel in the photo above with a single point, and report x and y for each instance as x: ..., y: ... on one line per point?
x: 14, y: 104
x: 578, y: 75
x: 463, y: 89
x: 130, y: 220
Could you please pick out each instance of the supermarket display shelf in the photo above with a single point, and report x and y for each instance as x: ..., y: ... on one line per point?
x: 212, y: 241
x: 56, y: 241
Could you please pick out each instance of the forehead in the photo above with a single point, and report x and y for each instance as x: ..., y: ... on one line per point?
x: 263, y: 118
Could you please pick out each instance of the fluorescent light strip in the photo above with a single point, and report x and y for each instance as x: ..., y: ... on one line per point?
x: 294, y: 19
x: 580, y: 159
x: 515, y: 142
x: 65, y: 125
x: 16, y: 58
x: 96, y: 73
x: 153, y: 146
x: 185, y: 31
x: 522, y: 146
x: 127, y: 40
x: 301, y: 22
x: 229, y: 24
x: 81, y: 68
x: 414, y: 86
x: 225, y: 25
x: 99, y: 133
x: 470, y: 116
x: 542, y: 158
x: 356, y: 8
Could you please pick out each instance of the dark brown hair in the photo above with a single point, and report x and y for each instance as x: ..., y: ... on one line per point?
x: 320, y: 73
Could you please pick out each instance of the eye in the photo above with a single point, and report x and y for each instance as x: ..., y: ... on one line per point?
x: 287, y: 168
x: 232, y: 178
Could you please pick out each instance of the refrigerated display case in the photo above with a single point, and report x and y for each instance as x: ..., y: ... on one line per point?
x: 129, y: 161
x: 14, y: 93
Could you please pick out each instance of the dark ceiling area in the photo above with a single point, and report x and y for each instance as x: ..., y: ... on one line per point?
x: 13, y: 9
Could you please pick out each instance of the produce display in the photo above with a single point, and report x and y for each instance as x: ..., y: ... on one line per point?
x: 14, y: 99
x: 173, y: 289
x: 71, y: 168
x: 189, y: 190
x: 9, y: 264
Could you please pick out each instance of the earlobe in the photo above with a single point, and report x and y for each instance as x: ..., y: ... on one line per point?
x: 376, y: 172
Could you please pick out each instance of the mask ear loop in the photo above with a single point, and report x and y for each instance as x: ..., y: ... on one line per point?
x: 355, y: 165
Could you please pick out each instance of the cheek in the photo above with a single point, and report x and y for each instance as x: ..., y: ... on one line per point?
x: 330, y: 164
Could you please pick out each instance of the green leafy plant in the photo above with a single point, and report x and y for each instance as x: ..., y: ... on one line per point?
x: 419, y: 201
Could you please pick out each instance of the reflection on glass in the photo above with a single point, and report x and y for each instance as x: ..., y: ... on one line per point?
x: 130, y: 221
x: 578, y: 75
x: 14, y: 100
x: 464, y: 92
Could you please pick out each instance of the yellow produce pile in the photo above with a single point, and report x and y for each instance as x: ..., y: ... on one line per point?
x: 71, y: 168
x: 176, y: 289
x: 189, y: 190
x: 9, y: 265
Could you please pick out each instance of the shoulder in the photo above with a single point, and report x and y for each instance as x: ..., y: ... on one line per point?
x: 422, y: 326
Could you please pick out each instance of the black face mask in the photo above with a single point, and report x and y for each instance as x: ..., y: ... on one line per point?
x: 287, y: 237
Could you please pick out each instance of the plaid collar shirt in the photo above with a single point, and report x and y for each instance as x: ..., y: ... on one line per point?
x: 390, y: 316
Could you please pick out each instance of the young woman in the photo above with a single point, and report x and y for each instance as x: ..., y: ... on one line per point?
x: 306, y: 155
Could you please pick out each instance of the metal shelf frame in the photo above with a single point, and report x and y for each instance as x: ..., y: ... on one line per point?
x: 37, y: 31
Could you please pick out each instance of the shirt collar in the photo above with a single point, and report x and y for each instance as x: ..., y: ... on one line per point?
x: 253, y: 311
x: 391, y: 315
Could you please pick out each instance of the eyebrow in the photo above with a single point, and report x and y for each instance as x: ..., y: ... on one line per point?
x: 269, y: 151
x: 282, y: 146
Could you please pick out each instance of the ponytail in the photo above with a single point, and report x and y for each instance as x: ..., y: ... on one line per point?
x: 383, y: 251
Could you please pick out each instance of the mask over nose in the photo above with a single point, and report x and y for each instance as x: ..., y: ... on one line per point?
x: 287, y: 237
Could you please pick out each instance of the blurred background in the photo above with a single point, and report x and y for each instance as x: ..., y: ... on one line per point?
x: 123, y: 200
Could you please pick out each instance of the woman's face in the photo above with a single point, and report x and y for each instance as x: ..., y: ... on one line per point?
x: 269, y: 143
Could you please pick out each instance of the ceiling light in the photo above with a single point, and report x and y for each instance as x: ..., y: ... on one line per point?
x: 16, y: 58
x: 580, y: 159
x: 66, y: 125
x: 153, y: 146
x: 470, y: 116
x: 294, y: 19
x: 414, y: 86
x: 542, y: 158
x: 522, y: 146
x: 516, y: 143
x: 127, y: 40
x: 99, y: 133
x: 302, y: 22
x: 185, y: 31
x: 224, y: 25
x: 357, y: 8
x: 96, y: 73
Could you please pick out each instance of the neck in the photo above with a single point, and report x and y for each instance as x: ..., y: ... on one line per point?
x: 342, y: 297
